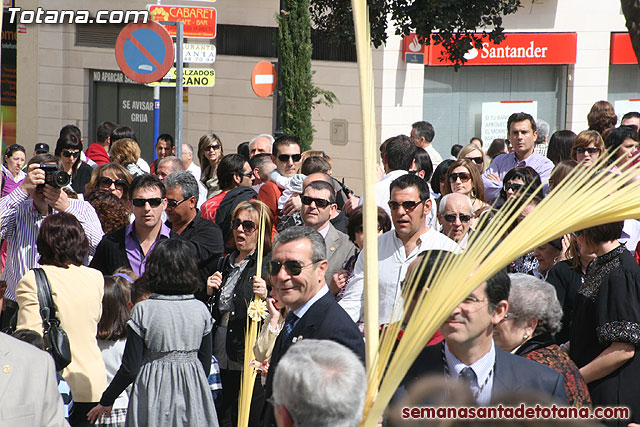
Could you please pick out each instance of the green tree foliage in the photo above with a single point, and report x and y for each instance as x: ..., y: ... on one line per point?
x: 298, y: 91
x: 453, y: 23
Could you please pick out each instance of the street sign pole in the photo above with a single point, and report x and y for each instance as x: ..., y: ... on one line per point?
x: 156, y: 114
x: 179, y: 83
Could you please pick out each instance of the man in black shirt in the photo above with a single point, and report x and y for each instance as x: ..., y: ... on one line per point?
x: 185, y: 219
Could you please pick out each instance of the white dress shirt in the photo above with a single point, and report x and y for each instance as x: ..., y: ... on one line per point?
x: 483, y: 368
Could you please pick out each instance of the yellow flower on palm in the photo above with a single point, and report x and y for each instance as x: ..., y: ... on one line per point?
x: 257, y: 310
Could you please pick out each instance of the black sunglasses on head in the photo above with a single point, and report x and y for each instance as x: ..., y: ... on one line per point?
x: 154, y: 202
x: 285, y: 157
x: 477, y: 160
x: 68, y: 153
x: 247, y: 225
x: 321, y: 203
x: 408, y: 205
x: 107, y: 182
x: 292, y: 267
x: 452, y: 218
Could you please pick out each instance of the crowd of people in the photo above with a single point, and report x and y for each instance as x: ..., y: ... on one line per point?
x: 151, y: 268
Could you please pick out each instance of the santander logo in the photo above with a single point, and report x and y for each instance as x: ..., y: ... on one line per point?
x: 415, y: 45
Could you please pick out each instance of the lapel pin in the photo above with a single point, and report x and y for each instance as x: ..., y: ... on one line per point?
x: 6, y: 369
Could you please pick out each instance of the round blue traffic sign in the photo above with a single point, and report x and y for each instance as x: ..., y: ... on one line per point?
x: 144, y: 52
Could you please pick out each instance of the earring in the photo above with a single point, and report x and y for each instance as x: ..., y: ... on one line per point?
x: 526, y: 337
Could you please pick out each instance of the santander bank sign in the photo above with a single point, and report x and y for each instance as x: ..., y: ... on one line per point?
x: 515, y: 49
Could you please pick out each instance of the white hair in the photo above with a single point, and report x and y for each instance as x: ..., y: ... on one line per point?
x: 321, y: 384
x: 533, y: 298
x: 443, y: 202
x: 189, y: 147
x: 262, y: 135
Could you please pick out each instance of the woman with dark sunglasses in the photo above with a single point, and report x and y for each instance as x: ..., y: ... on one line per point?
x: 112, y: 177
x: 463, y: 177
x: 69, y: 148
x: 232, y: 288
x: 210, y: 154
x: 587, y: 147
x: 519, y: 182
x: 12, y: 173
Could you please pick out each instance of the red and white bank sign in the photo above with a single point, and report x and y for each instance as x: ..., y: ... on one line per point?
x: 515, y: 49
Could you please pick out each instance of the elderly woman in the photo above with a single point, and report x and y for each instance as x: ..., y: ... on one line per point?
x: 209, y: 154
x: 606, y: 326
x: 587, y: 148
x: 69, y: 148
x: 547, y: 255
x: 12, y: 174
x: 232, y: 288
x: 126, y: 152
x: 526, y: 330
x: 63, y: 245
x: 112, y: 177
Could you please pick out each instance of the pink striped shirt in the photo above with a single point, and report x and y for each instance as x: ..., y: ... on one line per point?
x: 20, y: 223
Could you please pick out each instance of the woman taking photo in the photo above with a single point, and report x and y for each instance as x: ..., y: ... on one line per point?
x: 587, y: 148
x: 63, y: 245
x: 527, y: 330
x: 12, y: 174
x: 606, y: 325
x: 68, y: 148
x: 232, y: 288
x: 209, y: 154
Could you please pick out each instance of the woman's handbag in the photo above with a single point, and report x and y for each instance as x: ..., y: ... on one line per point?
x: 56, y: 341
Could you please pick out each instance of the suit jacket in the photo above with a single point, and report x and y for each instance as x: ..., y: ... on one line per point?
x: 29, y: 394
x: 111, y: 253
x: 339, y: 248
x: 325, y: 320
x: 512, y: 373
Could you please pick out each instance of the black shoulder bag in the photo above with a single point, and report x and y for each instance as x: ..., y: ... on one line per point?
x: 56, y: 341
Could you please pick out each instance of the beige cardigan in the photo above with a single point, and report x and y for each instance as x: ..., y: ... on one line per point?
x: 263, y: 346
x: 77, y: 293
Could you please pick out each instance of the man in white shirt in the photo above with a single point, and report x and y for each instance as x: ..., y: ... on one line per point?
x: 422, y: 133
x: 409, y: 204
x: 193, y: 169
x: 397, y: 159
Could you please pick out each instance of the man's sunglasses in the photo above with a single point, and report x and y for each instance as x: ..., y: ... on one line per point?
x: 67, y: 153
x: 514, y: 187
x: 247, y: 225
x: 407, y: 206
x: 106, y: 182
x: 590, y: 150
x: 154, y: 202
x: 477, y: 160
x: 321, y: 203
x: 464, y: 177
x: 212, y: 147
x: 292, y: 267
x: 452, y: 218
x: 285, y: 157
x: 171, y: 203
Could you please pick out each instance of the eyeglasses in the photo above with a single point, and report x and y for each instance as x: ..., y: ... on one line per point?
x: 514, y: 187
x: 477, y: 160
x: 212, y: 147
x: 106, y: 182
x: 452, y: 218
x: 590, y: 150
x: 247, y: 174
x: 171, y: 203
x: 154, y: 202
x: 464, y: 177
x: 578, y: 233
x: 470, y: 300
x: 247, y: 225
x: 292, y: 267
x: 67, y: 153
x: 321, y: 203
x: 407, y: 206
x: 285, y: 157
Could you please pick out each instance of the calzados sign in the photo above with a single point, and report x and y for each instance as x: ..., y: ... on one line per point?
x: 516, y: 49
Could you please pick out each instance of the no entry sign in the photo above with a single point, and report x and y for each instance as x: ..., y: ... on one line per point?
x: 263, y: 79
x: 144, y: 52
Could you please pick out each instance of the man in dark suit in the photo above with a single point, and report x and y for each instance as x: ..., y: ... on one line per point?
x: 318, y: 204
x: 297, y: 271
x: 468, y: 352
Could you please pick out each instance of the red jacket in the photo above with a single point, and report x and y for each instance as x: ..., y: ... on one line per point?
x: 98, y: 154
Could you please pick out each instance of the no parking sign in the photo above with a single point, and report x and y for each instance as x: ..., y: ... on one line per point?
x: 144, y: 52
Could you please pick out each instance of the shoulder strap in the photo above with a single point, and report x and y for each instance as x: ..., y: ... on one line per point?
x: 222, y: 262
x: 47, y: 308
